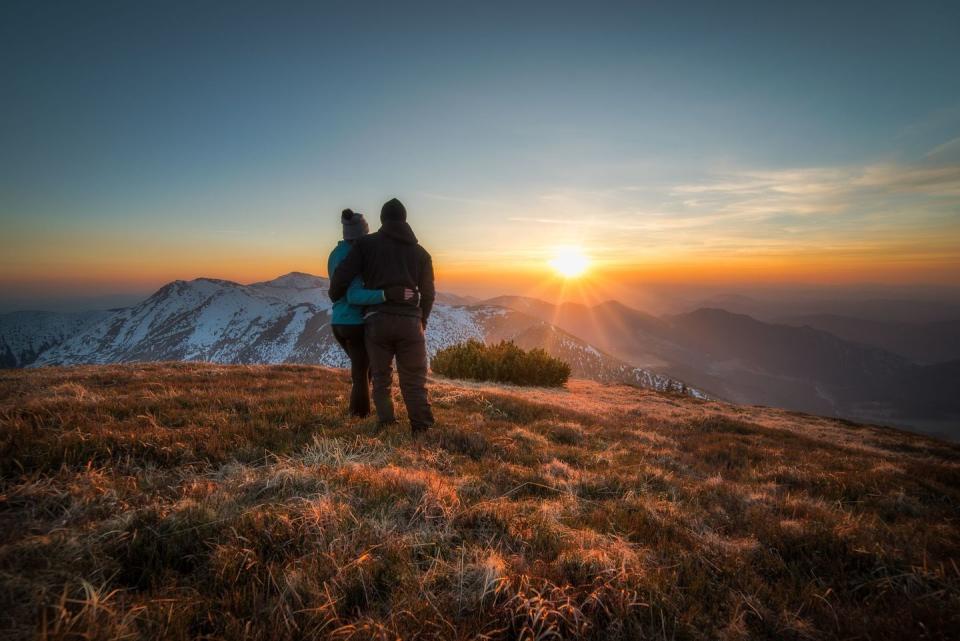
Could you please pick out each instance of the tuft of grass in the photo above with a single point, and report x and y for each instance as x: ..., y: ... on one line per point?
x: 563, y: 433
x: 188, y: 501
x: 153, y: 545
x: 471, y: 443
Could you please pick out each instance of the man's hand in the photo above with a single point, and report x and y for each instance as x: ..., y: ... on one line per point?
x: 401, y: 294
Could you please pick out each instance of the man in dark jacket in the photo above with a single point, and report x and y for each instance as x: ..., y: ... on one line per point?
x: 391, y: 259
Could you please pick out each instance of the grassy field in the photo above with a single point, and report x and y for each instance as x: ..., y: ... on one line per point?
x: 184, y: 501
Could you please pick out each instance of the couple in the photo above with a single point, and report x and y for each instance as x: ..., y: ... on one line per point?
x: 381, y: 285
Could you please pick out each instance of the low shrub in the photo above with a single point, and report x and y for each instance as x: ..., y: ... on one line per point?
x: 502, y: 362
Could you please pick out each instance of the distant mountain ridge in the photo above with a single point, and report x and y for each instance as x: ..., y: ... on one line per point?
x: 736, y: 357
x: 706, y: 352
x: 881, y: 309
x: 284, y: 320
x: 922, y: 342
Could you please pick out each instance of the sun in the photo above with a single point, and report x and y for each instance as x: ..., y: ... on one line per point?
x: 570, y: 262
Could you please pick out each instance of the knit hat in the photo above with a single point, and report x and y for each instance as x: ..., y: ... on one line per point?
x: 354, y: 225
x: 393, y: 210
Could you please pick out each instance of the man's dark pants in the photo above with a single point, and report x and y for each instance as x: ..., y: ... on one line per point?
x: 389, y: 336
x: 351, y: 339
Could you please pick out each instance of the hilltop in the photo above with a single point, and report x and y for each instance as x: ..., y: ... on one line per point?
x: 188, y: 500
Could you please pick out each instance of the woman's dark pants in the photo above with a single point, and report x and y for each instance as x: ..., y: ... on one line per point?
x: 351, y: 339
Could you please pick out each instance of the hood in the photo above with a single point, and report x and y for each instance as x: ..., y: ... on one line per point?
x: 398, y: 230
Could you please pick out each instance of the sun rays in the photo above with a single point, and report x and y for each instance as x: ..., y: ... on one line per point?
x: 570, y: 262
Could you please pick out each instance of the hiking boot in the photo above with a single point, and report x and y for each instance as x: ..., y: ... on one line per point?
x: 419, y: 430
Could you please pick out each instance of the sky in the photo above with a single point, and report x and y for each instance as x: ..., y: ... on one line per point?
x: 813, y: 144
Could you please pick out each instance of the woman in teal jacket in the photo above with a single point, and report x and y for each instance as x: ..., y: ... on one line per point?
x: 347, y: 315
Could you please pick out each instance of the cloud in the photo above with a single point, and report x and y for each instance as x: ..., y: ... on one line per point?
x: 542, y: 221
x: 933, y: 181
x: 888, y: 212
x: 791, y: 181
x: 820, y: 191
x: 947, y: 152
x: 463, y: 200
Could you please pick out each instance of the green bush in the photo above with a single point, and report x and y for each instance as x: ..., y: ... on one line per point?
x: 503, y: 362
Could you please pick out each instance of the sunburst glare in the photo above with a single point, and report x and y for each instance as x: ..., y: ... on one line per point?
x: 570, y: 262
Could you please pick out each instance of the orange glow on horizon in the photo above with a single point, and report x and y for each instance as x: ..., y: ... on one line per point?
x: 127, y: 271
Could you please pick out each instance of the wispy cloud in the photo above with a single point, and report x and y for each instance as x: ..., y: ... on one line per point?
x: 948, y: 151
x: 936, y: 181
x: 757, y: 195
x: 884, y: 210
x: 464, y: 200
x: 542, y: 221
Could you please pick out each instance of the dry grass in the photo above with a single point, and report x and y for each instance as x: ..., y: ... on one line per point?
x: 191, y: 501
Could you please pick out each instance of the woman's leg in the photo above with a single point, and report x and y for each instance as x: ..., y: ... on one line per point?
x: 351, y: 339
x: 339, y: 336
x: 360, y: 374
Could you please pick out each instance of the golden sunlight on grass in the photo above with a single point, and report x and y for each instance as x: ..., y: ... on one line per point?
x: 570, y: 262
x: 182, y: 501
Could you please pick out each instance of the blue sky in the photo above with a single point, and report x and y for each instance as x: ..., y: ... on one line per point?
x: 151, y: 141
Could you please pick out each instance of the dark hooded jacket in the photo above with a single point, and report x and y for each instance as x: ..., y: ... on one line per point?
x: 387, y: 258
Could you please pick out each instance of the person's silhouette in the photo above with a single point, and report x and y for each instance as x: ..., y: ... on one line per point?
x: 391, y: 259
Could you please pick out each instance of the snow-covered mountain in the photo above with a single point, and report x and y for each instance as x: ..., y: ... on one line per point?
x: 26, y: 335
x: 201, y: 320
x: 284, y: 320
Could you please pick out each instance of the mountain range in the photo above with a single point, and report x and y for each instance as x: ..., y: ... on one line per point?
x: 882, y: 371
x: 803, y: 368
x: 284, y: 320
x: 922, y: 342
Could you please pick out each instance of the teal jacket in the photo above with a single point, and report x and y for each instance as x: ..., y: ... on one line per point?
x: 349, y: 309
